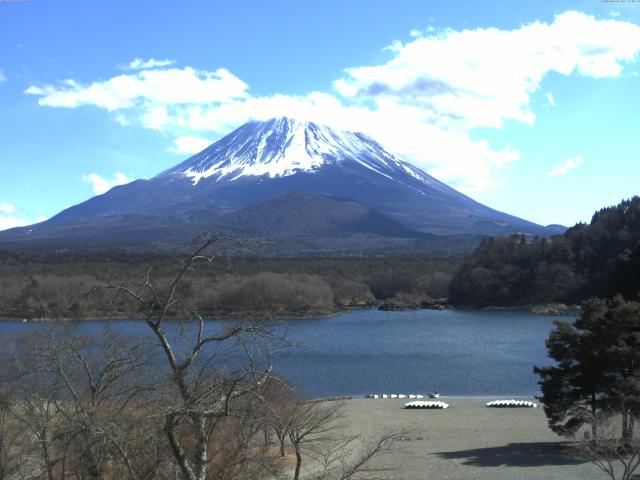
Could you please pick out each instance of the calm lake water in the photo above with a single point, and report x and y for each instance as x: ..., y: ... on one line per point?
x: 465, y: 353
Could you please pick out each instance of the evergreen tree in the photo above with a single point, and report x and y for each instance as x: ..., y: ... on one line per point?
x: 599, y: 259
x: 620, y: 328
x: 597, y: 367
x: 573, y: 389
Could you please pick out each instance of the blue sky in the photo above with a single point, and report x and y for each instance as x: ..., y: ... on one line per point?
x: 531, y: 110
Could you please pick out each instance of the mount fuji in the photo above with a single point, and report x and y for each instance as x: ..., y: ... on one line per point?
x: 308, y: 179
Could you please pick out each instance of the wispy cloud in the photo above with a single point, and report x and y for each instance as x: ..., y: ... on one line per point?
x: 122, y: 120
x: 550, y: 100
x: 9, y: 217
x: 141, y: 64
x: 565, y: 167
x: 2, y: 77
x: 7, y: 208
x: 189, y: 145
x: 11, y: 221
x: 486, y: 76
x: 101, y: 185
x: 158, y: 86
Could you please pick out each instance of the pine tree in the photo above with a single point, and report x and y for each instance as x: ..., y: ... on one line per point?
x: 597, y: 367
x: 572, y: 391
x: 621, y: 326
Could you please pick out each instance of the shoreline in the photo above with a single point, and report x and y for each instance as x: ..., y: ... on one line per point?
x: 313, y: 315
x: 208, y: 317
x: 316, y: 315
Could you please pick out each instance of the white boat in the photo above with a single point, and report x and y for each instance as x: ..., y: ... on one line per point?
x: 434, y: 395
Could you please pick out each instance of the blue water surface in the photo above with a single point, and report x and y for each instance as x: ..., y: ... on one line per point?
x: 456, y: 352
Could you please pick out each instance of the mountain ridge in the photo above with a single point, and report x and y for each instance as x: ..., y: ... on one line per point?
x: 263, y: 160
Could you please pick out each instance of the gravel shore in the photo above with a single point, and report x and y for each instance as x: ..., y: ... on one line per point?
x: 470, y: 441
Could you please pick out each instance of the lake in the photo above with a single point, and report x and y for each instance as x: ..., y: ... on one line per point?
x: 458, y: 353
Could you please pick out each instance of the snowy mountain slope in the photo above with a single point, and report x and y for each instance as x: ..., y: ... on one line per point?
x: 262, y: 159
x: 285, y: 146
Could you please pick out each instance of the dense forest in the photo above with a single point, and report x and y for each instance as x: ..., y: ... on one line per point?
x: 66, y: 284
x: 601, y: 259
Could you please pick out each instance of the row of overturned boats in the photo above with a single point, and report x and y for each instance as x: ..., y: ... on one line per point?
x: 402, y: 395
x: 427, y: 404
x: 418, y: 402
x: 512, y: 404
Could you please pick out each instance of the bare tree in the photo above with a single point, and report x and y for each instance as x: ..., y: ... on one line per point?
x: 280, y: 410
x: 609, y: 450
x: 75, y: 398
x: 314, y: 431
x: 311, y: 423
x: 9, y: 437
x: 349, y: 457
x: 205, y: 384
x: 41, y: 451
x: 33, y: 410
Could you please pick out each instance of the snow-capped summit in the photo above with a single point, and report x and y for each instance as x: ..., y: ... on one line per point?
x: 285, y: 146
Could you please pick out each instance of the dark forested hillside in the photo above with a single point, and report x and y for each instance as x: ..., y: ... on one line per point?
x: 596, y: 259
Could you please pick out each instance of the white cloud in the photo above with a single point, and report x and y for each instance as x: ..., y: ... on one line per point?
x: 550, y: 100
x: 170, y: 86
x: 122, y: 120
x: 422, y: 104
x: 565, y: 167
x: 189, y: 145
x: 140, y: 64
x: 101, y: 185
x: 482, y: 77
x: 449, y: 154
x: 416, y: 33
x: 8, y: 218
x: 2, y: 77
x: 11, y: 221
x: 7, y: 208
x: 155, y: 117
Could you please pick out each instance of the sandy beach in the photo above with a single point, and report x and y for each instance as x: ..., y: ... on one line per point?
x: 470, y: 441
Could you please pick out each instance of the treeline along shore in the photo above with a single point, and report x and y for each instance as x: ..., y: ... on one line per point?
x: 66, y: 285
x: 599, y: 259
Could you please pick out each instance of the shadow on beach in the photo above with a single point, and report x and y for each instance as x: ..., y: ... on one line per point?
x: 516, y: 455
